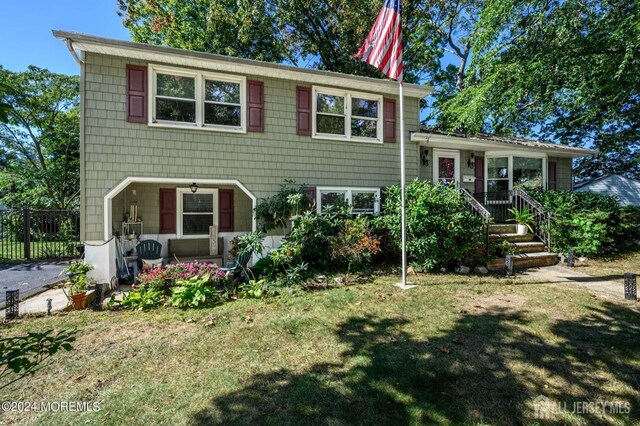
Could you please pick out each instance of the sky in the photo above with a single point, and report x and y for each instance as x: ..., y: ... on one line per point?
x: 25, y: 31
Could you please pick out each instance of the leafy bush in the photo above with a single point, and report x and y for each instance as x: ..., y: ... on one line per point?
x: 592, y: 224
x: 193, y: 292
x: 355, y: 244
x: 441, y: 231
x: 276, y: 211
x: 141, y: 299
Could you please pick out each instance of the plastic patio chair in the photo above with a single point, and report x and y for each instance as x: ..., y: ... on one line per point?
x: 238, y: 266
x: 146, y: 250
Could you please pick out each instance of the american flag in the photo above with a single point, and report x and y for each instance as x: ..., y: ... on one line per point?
x: 383, y: 46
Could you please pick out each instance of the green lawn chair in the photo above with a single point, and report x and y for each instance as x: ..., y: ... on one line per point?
x: 239, y: 266
x: 146, y: 250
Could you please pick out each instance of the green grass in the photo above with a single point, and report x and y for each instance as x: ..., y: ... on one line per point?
x: 456, y: 350
x: 611, y: 268
x: 14, y: 251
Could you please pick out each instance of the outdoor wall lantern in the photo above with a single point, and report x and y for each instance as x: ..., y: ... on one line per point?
x: 471, y: 162
x: 425, y: 158
x: 193, y: 187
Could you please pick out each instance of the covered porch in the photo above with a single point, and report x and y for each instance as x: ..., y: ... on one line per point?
x: 183, y: 214
x: 493, y: 168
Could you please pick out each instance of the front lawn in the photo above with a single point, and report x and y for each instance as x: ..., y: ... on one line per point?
x: 611, y: 268
x: 454, y: 350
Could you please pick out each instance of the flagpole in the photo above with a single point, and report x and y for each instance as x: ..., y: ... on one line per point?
x: 402, y: 189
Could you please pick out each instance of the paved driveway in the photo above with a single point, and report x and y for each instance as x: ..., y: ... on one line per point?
x: 29, y: 277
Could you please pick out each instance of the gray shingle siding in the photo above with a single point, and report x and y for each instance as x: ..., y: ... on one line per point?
x: 114, y: 149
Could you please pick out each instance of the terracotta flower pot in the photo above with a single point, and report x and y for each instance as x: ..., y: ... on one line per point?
x: 79, y: 300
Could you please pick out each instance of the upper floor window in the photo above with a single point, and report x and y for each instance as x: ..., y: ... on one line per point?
x: 197, y: 99
x: 344, y: 115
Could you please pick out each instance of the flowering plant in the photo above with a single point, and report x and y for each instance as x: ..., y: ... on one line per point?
x: 170, y: 274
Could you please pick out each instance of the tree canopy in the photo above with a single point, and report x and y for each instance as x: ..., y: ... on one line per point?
x: 39, y: 135
x: 562, y: 70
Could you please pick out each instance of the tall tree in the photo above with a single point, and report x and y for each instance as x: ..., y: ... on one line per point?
x: 242, y: 28
x: 39, y: 140
x: 563, y: 70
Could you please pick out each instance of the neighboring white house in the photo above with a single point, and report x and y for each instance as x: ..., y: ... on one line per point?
x: 2, y: 207
x: 625, y: 189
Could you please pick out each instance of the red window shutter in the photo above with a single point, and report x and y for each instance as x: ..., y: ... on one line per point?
x: 552, y: 176
x: 136, y: 94
x: 389, y: 125
x: 255, y: 106
x: 225, y: 210
x: 479, y: 173
x: 303, y: 102
x: 167, y: 211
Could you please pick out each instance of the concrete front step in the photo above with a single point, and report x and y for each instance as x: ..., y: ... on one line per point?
x: 525, y: 260
x: 502, y: 228
x: 512, y: 237
x: 529, y: 247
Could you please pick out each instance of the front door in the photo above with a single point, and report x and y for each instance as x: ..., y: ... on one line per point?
x: 446, y: 166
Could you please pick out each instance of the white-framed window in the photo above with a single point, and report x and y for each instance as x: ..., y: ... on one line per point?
x: 361, y: 200
x: 346, y: 115
x: 514, y: 170
x: 184, y: 98
x: 196, y: 212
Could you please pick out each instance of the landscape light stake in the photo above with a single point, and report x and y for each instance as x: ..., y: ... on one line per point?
x: 49, y: 306
x: 97, y: 297
x: 508, y: 266
x: 630, y: 289
x: 13, y: 303
x: 571, y: 258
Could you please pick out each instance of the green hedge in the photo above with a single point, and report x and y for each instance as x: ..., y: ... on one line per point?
x: 441, y: 230
x: 592, y: 224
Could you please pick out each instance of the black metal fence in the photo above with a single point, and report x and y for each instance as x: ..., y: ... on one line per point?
x: 39, y: 234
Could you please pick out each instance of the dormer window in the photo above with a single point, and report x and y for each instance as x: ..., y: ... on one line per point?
x: 197, y: 99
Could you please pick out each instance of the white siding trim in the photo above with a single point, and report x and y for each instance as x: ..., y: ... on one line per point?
x: 108, y: 198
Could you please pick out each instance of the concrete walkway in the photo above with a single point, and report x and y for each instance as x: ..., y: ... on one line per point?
x: 560, y: 274
x: 30, y: 278
x: 38, y: 304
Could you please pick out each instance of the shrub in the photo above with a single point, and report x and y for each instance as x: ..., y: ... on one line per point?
x: 141, y: 299
x: 441, y: 230
x: 276, y: 211
x: 355, y: 243
x: 193, y: 292
x: 592, y: 224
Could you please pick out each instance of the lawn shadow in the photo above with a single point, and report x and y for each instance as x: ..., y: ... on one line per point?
x: 385, y: 375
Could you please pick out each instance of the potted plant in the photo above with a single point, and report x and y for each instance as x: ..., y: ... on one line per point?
x: 78, y: 282
x: 523, y: 219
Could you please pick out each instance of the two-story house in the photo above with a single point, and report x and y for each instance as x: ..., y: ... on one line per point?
x: 177, y: 141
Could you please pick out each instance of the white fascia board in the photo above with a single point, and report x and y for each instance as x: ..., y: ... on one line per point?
x: 455, y: 142
x: 185, y: 58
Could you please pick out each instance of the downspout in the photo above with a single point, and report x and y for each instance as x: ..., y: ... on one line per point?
x: 69, y: 44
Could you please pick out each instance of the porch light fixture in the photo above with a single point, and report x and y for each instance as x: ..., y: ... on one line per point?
x: 471, y: 162
x: 193, y: 187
